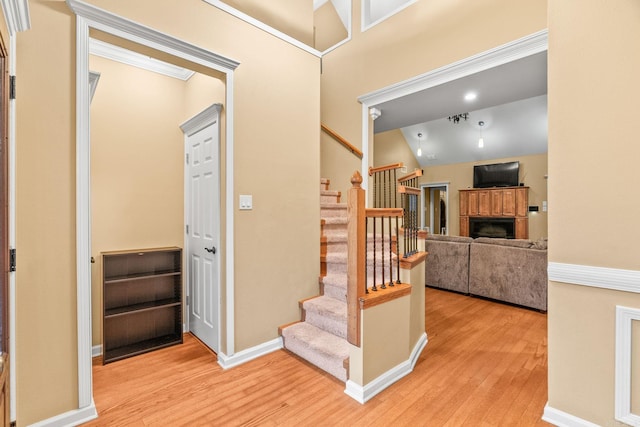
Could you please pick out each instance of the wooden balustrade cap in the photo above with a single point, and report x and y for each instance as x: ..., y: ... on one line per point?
x: 356, y: 179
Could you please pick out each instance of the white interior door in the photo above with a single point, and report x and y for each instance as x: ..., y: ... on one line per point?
x: 203, y: 225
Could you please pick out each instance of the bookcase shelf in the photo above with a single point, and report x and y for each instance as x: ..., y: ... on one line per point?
x: 142, y: 301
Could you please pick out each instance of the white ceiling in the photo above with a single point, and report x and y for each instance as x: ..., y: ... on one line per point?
x: 511, y: 100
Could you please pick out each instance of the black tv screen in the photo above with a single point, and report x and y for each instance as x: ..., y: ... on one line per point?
x: 496, y: 175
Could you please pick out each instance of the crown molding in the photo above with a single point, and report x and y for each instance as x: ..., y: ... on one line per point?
x: 134, y: 59
x: 101, y: 19
x: 517, y: 49
x: 16, y: 13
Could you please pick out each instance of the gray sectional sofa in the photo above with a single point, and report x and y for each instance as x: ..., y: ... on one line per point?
x: 510, y: 270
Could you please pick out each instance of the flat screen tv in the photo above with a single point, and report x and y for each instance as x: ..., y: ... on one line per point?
x: 496, y: 175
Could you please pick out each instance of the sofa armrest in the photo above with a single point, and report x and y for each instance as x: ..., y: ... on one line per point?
x: 447, y: 265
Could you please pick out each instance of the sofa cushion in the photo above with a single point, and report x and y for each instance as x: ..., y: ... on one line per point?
x: 516, y: 243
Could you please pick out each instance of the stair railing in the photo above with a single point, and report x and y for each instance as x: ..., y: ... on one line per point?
x: 384, y: 182
x: 389, y: 191
x: 346, y: 144
x: 382, y: 258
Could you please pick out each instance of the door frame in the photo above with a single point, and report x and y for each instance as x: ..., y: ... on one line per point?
x: 195, y: 124
x: 429, y: 186
x: 89, y: 16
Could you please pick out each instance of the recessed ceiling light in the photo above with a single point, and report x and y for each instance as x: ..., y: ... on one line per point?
x: 470, y: 96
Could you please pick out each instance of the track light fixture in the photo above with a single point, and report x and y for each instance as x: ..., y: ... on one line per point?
x: 456, y: 117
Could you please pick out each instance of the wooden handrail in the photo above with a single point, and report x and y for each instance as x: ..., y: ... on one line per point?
x: 392, y: 166
x: 403, y: 189
x: 415, y: 174
x: 384, y: 212
x: 341, y: 140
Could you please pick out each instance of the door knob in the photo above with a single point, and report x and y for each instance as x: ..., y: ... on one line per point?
x: 211, y: 250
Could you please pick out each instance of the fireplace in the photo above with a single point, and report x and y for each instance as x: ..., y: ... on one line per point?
x: 492, y: 227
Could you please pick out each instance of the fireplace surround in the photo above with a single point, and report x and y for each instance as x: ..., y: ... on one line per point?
x: 492, y: 227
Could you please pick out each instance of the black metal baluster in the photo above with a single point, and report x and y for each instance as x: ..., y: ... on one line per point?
x: 390, y: 255
x: 397, y: 255
x: 383, y: 286
x: 395, y: 190
x: 375, y: 189
x: 374, y: 288
x: 366, y: 250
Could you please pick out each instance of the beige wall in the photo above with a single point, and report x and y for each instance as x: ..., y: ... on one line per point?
x: 276, y: 153
x: 294, y: 18
x: 391, y: 147
x: 45, y: 207
x: 422, y: 37
x: 591, y: 72
x: 328, y: 27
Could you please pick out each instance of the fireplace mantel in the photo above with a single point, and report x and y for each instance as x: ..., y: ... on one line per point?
x: 499, y: 203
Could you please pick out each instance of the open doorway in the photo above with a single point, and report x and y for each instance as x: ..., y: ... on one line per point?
x: 137, y: 180
x: 145, y: 38
x: 434, y: 215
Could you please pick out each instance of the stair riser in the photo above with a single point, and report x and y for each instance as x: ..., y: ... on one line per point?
x: 334, y: 291
x: 334, y: 247
x: 333, y: 229
x: 330, y: 199
x: 333, y: 326
x: 333, y: 213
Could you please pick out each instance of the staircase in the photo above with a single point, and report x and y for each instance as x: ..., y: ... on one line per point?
x: 320, y: 337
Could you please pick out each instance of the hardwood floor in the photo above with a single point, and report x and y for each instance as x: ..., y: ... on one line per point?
x: 485, y: 365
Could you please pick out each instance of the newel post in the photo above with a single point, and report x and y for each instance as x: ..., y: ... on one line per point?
x: 356, y: 256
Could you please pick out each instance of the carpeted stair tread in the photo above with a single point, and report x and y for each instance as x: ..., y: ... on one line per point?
x: 318, y: 347
x: 329, y: 306
x: 334, y: 206
x: 335, y: 220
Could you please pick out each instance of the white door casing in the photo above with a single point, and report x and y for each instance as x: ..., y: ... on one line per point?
x: 202, y: 217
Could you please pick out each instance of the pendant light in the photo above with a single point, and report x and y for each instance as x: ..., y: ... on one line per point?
x: 481, y: 140
x: 419, y: 152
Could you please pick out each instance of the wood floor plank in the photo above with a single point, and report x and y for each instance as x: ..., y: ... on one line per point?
x: 485, y: 365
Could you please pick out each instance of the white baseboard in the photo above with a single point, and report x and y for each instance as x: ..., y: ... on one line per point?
x: 563, y: 419
x: 249, y: 354
x: 70, y: 418
x: 96, y: 350
x: 363, y: 394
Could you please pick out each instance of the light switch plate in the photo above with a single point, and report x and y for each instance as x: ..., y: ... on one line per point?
x: 246, y: 202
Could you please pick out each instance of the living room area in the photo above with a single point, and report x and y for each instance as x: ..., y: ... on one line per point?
x: 481, y: 143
